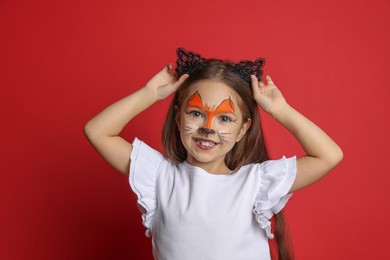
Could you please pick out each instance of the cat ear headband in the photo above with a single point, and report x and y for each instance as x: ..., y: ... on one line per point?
x: 189, y: 62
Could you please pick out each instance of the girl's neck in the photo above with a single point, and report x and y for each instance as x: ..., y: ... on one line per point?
x: 212, y: 168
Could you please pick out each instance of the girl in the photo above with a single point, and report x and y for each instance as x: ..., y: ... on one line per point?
x: 214, y: 193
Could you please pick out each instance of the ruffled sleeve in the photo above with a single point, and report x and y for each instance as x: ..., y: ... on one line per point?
x: 277, y: 177
x: 144, y: 166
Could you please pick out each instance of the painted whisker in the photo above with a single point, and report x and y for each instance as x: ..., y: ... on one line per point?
x: 189, y: 130
x: 222, y: 136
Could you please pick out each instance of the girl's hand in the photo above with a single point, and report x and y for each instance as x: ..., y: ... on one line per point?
x: 164, y: 83
x: 267, y: 96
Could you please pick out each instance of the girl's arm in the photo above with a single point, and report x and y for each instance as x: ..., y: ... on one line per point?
x: 323, y: 154
x: 103, y: 130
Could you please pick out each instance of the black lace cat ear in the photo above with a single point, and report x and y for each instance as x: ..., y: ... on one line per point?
x: 188, y: 62
x: 247, y: 68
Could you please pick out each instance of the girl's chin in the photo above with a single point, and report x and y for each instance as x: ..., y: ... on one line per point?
x: 204, y: 161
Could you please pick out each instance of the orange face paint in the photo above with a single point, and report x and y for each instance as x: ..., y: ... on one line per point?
x: 226, y: 106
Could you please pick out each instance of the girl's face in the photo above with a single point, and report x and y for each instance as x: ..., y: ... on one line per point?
x: 210, y: 123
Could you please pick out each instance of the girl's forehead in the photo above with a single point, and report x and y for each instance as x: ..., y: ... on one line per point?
x: 213, y: 92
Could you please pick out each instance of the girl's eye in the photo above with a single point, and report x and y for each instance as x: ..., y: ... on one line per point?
x: 225, y: 119
x: 195, y: 114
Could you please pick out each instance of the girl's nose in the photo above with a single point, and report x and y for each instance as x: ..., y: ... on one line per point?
x: 206, y: 131
x: 208, y: 121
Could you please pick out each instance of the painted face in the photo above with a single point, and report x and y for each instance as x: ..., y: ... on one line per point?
x: 210, y: 124
x: 225, y: 107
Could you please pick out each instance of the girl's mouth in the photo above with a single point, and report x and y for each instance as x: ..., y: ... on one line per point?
x: 205, y: 144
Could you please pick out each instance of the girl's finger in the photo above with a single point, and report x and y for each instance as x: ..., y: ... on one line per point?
x: 167, y: 68
x: 255, y: 86
x: 269, y: 80
x: 261, y: 84
x: 180, y: 80
x: 254, y: 83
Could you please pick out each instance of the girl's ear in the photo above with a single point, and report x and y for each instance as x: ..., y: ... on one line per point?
x: 244, y: 128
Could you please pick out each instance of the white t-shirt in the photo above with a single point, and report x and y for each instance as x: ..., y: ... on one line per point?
x: 194, y: 215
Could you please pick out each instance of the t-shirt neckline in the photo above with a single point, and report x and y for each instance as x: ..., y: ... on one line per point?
x: 200, y: 171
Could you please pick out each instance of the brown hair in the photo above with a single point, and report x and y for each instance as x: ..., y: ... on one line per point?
x: 250, y: 149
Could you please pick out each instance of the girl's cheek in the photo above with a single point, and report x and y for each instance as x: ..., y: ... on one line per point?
x: 188, y: 120
x: 189, y: 127
x: 228, y: 127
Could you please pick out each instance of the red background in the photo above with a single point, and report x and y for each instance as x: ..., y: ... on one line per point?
x: 64, y: 61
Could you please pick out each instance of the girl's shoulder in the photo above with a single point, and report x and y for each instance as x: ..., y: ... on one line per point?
x: 271, y: 166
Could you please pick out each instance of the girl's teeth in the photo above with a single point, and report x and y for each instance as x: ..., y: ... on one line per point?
x: 206, y: 143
